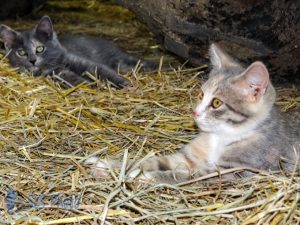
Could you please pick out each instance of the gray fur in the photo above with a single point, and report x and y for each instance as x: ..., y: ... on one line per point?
x: 98, y: 49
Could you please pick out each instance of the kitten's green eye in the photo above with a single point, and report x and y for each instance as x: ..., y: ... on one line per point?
x: 40, y: 49
x: 216, y: 103
x: 21, y: 52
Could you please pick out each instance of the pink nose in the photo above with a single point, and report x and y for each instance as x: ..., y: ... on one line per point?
x: 196, y: 114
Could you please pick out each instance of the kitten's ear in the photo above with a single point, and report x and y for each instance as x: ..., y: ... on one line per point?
x: 7, y: 35
x: 45, y: 27
x: 253, y: 82
x: 219, y: 59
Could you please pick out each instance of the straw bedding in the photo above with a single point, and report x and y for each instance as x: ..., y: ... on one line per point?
x: 47, y: 132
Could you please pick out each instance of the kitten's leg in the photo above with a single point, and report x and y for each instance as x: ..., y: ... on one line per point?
x: 68, y: 78
x: 190, y: 160
x: 108, y: 74
x: 80, y: 65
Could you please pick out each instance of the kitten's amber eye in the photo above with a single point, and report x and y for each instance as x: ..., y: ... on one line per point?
x: 40, y: 49
x: 21, y: 52
x: 216, y: 103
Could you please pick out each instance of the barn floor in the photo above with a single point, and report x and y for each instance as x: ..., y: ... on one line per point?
x: 47, y: 132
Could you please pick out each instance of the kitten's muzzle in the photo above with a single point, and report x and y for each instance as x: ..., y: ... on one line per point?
x: 32, y: 61
x: 195, y: 114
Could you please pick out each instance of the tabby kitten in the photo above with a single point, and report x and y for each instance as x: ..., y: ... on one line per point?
x: 39, y: 51
x: 239, y: 126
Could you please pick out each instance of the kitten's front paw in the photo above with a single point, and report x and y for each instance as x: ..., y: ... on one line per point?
x: 140, y: 175
x: 99, y: 168
x: 123, y: 83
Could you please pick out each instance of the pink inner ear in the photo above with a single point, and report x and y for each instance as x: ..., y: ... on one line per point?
x: 254, y: 81
x: 258, y: 75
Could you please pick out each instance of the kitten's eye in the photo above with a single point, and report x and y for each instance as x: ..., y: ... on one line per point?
x: 216, y: 103
x: 21, y: 52
x: 40, y: 49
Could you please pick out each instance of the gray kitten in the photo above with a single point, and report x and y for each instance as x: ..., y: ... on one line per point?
x: 239, y: 126
x: 39, y: 51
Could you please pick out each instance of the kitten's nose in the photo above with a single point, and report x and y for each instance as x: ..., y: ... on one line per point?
x: 32, y: 61
x: 195, y: 114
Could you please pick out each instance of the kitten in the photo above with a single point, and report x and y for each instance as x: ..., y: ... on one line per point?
x: 239, y: 126
x: 39, y: 51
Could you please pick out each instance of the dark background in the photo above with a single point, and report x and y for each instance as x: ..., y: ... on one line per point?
x: 249, y: 30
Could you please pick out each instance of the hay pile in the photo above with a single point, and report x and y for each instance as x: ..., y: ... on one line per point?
x: 47, y: 132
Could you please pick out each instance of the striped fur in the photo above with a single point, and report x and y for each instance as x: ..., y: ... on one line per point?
x: 245, y: 130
